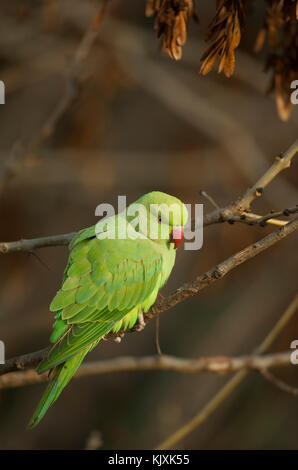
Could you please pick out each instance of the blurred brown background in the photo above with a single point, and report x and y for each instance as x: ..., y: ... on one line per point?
x: 142, y: 122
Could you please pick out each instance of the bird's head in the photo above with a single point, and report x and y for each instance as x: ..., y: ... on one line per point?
x: 162, y: 218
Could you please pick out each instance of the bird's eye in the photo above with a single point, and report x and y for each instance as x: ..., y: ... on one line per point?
x: 159, y: 219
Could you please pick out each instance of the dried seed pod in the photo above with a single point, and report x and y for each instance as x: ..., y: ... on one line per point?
x: 171, y: 19
x: 225, y: 33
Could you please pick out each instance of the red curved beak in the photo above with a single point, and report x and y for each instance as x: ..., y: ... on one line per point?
x: 177, y: 235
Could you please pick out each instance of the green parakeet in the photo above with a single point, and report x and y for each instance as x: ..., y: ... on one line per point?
x: 108, y: 283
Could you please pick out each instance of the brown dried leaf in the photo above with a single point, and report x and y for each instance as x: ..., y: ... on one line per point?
x: 208, y: 64
x: 181, y: 38
x: 229, y: 63
x: 171, y: 18
x: 236, y: 32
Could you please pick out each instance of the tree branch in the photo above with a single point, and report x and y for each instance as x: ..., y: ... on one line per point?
x: 282, y: 161
x: 187, y: 290
x: 217, y: 365
x: 33, y: 243
x: 235, y: 211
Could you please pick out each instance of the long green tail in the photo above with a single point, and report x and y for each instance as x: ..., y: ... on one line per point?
x: 61, y: 375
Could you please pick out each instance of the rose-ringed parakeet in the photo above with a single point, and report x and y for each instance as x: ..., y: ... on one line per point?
x: 108, y: 283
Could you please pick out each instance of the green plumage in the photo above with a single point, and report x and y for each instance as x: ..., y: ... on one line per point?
x: 107, y: 284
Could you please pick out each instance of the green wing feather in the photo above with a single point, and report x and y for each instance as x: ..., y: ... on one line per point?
x: 104, y: 281
x: 105, y: 286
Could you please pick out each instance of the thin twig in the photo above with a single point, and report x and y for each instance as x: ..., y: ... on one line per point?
x: 209, y: 198
x: 254, y: 219
x: 279, y: 383
x: 282, y: 162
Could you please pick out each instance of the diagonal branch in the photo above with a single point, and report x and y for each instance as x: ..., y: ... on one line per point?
x: 19, y: 151
x: 187, y: 290
x: 281, y: 162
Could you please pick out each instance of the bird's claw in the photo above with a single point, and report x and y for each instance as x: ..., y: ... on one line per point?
x: 118, y: 338
x: 140, y: 323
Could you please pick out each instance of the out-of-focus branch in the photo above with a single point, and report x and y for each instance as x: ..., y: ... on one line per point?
x: 20, y: 151
x: 218, y: 365
x: 185, y: 291
x: 228, y: 388
x: 75, y: 75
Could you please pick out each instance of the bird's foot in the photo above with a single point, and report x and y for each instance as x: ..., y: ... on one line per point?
x: 140, y: 322
x: 118, y: 338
